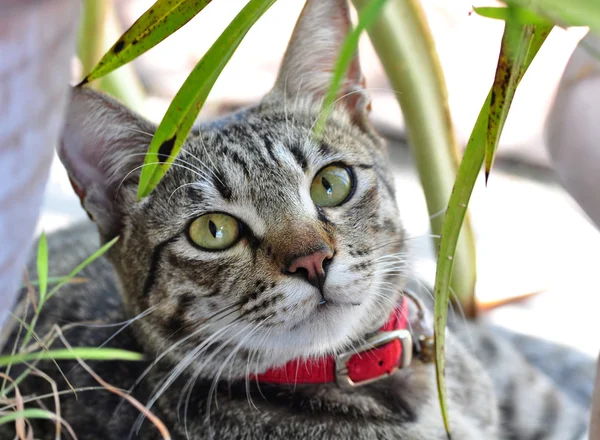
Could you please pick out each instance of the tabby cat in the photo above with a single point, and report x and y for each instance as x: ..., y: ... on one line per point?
x: 262, y: 245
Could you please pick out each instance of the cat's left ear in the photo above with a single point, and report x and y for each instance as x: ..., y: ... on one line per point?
x: 103, y: 146
x: 310, y: 59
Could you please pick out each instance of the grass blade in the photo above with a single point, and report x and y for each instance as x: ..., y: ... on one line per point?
x: 42, y: 268
x: 529, y: 42
x: 520, y: 44
x: 188, y: 102
x: 31, y: 413
x: 89, y: 353
x: 34, y: 413
x: 64, y: 280
x: 160, y: 21
x: 366, y: 17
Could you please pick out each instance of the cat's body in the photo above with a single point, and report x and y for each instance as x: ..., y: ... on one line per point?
x: 523, y: 403
x: 261, y: 245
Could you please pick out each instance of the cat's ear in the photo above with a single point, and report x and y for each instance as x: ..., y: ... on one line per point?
x: 102, y: 147
x: 309, y: 61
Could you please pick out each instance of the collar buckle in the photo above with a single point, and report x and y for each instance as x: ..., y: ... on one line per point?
x: 379, y: 339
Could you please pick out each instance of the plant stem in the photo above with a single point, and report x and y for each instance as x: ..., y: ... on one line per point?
x: 404, y: 44
x: 98, y: 31
x: 90, y: 47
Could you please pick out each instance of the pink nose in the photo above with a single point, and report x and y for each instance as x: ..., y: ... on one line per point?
x: 313, y: 265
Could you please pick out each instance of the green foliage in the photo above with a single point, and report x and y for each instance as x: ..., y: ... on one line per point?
x: 89, y: 260
x: 42, y: 260
x: 520, y: 43
x: 160, y: 21
x: 190, y: 98
x: 515, y: 57
x: 30, y: 413
x: 565, y: 12
x: 42, y: 268
x: 89, y: 353
x: 33, y: 354
x: 514, y: 14
x: 98, y: 26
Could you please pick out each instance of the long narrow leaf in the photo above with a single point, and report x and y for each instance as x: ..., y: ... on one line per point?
x: 515, y: 13
x: 159, y: 22
x: 42, y: 268
x: 90, y: 353
x: 520, y: 44
x: 79, y: 268
x: 188, y: 102
x: 455, y: 214
x: 566, y: 13
x: 366, y: 17
x: 468, y: 171
x: 30, y: 413
x: 35, y: 413
x: 64, y: 281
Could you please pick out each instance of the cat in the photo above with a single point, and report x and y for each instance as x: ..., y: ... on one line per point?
x: 262, y: 245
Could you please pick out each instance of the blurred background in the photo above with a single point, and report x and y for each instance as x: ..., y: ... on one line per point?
x: 532, y: 238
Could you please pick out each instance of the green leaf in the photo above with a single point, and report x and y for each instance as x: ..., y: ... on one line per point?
x: 63, y: 281
x: 160, y: 21
x: 42, y: 268
x: 514, y: 13
x: 455, y: 214
x: 366, y: 17
x: 30, y: 413
x: 89, y: 353
x: 520, y: 44
x: 79, y: 268
x: 565, y: 12
x: 188, y: 102
x: 520, y: 57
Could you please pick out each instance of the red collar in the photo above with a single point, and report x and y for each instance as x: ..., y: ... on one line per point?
x: 383, y: 353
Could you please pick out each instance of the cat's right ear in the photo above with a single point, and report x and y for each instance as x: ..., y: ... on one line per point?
x: 103, y: 145
x: 311, y: 57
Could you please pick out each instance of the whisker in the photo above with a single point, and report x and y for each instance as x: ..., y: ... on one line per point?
x: 174, y: 374
x: 209, y: 158
x: 195, y: 333
x: 233, y: 353
x: 153, y: 163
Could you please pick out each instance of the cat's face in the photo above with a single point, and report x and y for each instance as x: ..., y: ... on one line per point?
x: 260, y: 236
x: 221, y: 233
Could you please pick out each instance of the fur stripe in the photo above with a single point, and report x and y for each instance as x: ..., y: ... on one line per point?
x: 218, y: 180
x: 300, y: 157
x: 154, y: 266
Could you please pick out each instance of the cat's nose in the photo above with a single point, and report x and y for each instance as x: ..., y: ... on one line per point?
x: 312, y: 265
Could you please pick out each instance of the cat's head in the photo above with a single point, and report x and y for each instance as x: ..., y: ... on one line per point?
x: 259, y: 236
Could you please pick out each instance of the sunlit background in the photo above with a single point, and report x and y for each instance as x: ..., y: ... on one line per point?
x: 531, y: 236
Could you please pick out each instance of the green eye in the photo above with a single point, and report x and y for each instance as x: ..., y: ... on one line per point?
x: 331, y: 186
x: 214, y: 231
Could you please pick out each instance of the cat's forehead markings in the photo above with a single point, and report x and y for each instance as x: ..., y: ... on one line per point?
x: 207, y: 188
x: 285, y: 155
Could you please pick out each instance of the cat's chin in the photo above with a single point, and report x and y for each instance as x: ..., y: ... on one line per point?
x: 330, y: 328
